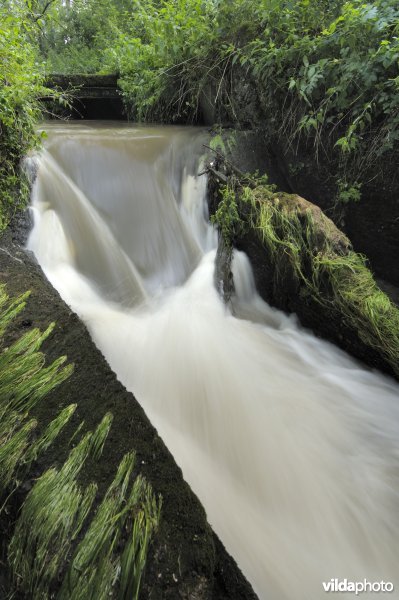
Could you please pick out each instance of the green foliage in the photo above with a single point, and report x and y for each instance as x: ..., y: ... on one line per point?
x: 134, y: 556
x: 330, y: 75
x: 364, y: 305
x: 20, y: 87
x: 52, y: 430
x: 98, y: 560
x: 109, y: 560
x: 226, y: 217
x: 163, y: 57
x: 75, y: 37
x: 335, y: 276
x: 51, y: 518
x: 347, y: 192
x: 104, y: 564
x: 324, y: 72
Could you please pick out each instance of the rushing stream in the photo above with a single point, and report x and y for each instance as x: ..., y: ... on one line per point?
x: 291, y: 445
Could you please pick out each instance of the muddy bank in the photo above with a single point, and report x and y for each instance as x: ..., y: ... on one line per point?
x: 186, y: 559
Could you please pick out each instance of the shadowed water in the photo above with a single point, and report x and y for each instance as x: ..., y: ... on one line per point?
x: 291, y: 445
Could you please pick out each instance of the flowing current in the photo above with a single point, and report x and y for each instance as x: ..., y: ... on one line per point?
x: 290, y: 444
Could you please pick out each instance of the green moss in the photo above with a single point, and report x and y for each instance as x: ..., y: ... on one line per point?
x: 299, y: 236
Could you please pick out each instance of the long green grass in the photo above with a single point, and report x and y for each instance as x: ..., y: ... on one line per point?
x: 321, y: 259
x: 110, y: 558
x: 48, y: 556
x: 52, y: 516
x: 24, y: 382
x: 99, y: 569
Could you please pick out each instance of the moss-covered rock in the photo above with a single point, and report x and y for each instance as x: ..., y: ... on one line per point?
x: 304, y: 264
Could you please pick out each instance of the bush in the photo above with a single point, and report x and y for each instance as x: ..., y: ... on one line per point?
x: 325, y: 73
x: 332, y: 77
x: 21, y: 85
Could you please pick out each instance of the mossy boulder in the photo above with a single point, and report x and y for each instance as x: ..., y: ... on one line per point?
x: 304, y: 264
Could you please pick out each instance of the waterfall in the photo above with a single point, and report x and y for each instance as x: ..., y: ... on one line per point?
x: 291, y: 445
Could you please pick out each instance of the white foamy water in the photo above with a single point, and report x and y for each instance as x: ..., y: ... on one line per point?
x: 291, y: 445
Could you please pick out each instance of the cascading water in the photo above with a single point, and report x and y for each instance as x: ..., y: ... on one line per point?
x: 290, y: 444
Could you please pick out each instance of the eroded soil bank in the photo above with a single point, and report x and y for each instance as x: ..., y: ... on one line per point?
x: 186, y: 559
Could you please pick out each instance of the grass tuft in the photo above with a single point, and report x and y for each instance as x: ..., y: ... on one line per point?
x: 109, y: 560
x: 24, y: 381
x: 99, y: 570
x: 51, y: 518
x: 333, y: 274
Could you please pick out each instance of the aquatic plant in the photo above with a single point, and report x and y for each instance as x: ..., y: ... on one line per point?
x: 52, y: 516
x: 111, y: 557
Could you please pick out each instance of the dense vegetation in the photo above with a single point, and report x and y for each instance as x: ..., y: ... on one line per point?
x: 323, y: 72
x: 20, y: 87
x: 326, y: 72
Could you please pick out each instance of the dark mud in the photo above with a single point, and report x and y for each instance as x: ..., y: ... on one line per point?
x: 186, y: 559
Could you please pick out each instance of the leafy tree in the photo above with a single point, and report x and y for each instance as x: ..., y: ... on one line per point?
x: 325, y: 71
x: 75, y: 38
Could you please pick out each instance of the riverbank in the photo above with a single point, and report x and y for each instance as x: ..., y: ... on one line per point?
x: 186, y: 559
x: 303, y: 264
